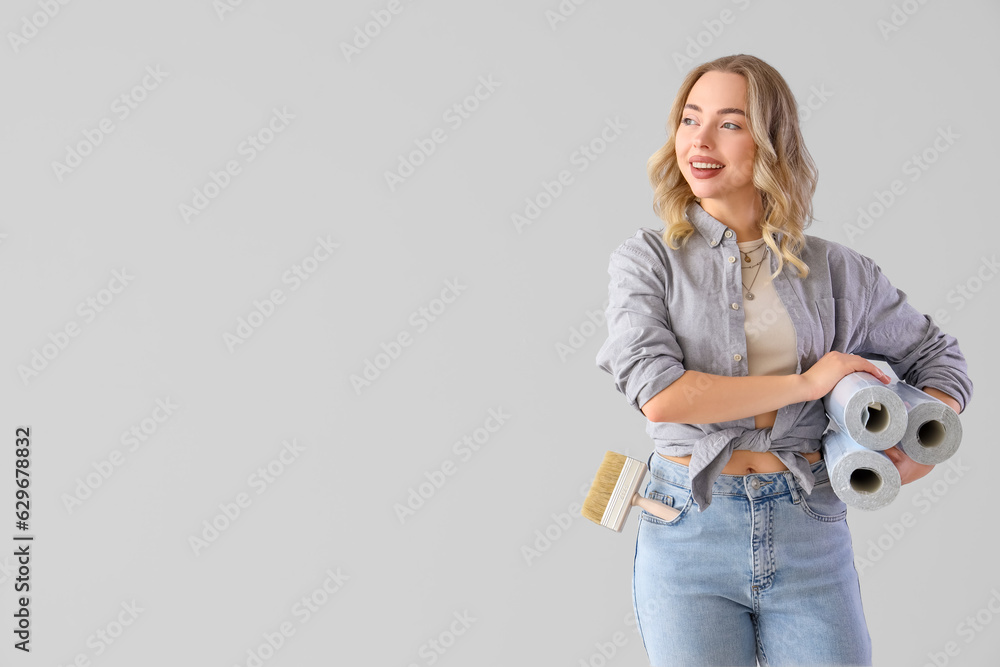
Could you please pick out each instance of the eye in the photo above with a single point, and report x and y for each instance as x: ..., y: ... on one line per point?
x: 735, y: 126
x: 685, y: 119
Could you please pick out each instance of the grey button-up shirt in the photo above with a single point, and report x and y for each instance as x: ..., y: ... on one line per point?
x: 670, y: 311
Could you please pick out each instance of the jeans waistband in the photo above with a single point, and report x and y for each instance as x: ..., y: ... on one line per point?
x: 754, y: 485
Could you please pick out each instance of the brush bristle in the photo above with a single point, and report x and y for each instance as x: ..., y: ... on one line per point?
x: 603, y: 486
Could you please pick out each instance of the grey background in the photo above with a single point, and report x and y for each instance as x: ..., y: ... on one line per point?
x: 496, y: 346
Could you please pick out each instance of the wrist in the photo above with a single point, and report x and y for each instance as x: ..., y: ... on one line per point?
x: 801, y: 389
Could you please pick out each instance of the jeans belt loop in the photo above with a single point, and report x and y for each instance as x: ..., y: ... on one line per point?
x: 794, y: 490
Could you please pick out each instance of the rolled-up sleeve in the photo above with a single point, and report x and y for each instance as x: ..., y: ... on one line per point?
x: 909, y: 341
x: 641, y: 352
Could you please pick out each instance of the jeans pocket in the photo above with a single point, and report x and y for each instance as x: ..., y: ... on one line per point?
x: 823, y: 504
x: 676, y: 496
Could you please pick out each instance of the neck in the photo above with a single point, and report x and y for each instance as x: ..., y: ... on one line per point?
x: 741, y: 214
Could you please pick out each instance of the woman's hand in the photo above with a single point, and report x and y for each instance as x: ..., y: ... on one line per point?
x: 832, y: 368
x: 909, y: 470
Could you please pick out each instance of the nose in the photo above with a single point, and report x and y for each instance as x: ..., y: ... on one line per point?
x: 702, y: 136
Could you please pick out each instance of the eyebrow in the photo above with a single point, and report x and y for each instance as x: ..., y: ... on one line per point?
x: 721, y: 112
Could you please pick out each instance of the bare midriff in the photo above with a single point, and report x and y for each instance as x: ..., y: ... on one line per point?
x: 744, y: 462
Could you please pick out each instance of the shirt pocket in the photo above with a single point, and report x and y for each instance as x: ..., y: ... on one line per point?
x: 825, y: 311
x: 833, y: 321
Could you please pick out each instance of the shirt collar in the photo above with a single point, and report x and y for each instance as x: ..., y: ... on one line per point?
x: 711, y: 229
x: 707, y: 226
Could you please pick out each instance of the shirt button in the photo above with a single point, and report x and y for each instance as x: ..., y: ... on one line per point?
x: 735, y: 306
x: 729, y: 233
x: 738, y: 357
x: 714, y: 243
x: 731, y: 259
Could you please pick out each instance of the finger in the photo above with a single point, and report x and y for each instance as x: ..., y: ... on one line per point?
x: 903, y: 456
x: 895, y: 454
x: 877, y: 372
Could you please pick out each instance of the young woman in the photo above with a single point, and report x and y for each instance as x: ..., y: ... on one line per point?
x: 725, y: 329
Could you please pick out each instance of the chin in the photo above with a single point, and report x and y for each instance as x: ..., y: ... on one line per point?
x: 703, y: 192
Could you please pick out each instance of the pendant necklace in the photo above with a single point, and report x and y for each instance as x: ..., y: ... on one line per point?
x: 749, y: 295
x: 746, y: 254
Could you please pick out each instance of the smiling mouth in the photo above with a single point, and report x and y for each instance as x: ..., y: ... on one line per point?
x: 705, y: 170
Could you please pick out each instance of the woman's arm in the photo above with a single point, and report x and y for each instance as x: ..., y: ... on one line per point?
x: 943, y: 397
x: 701, y: 398
x: 914, y: 346
x: 918, y: 351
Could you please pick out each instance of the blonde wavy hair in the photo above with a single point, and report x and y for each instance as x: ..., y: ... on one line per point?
x: 783, y: 171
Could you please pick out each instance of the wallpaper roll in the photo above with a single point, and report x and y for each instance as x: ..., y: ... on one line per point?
x: 861, y: 477
x: 867, y: 410
x: 933, y: 430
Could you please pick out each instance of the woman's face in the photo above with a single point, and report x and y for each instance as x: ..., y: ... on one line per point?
x: 713, y: 130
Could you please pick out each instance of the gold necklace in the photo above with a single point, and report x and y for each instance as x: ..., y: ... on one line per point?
x: 746, y: 254
x: 749, y: 295
x: 758, y: 261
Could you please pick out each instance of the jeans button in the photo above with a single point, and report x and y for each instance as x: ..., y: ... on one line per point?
x: 755, y: 483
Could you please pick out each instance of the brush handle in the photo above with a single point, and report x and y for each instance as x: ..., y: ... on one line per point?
x: 657, y: 509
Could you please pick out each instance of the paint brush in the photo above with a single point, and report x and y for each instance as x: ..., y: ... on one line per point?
x: 616, y: 489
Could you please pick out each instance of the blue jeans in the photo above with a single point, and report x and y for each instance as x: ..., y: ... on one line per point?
x: 766, y: 574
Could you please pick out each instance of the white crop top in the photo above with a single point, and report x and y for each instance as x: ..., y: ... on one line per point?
x: 770, y: 335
